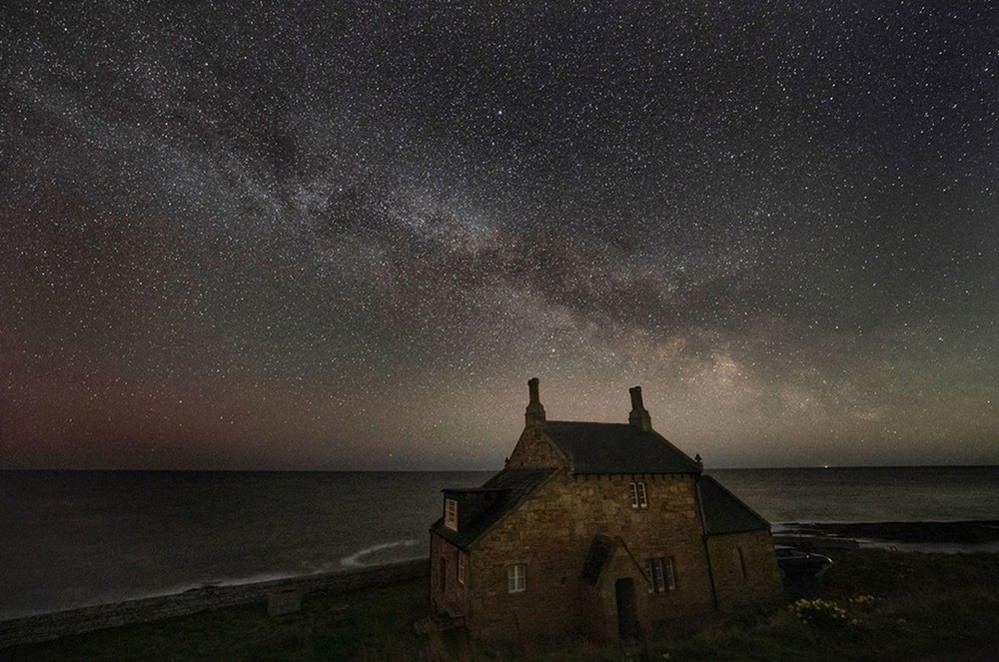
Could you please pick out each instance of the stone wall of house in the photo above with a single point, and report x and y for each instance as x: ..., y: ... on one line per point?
x: 444, y: 556
x: 761, y: 578
x: 551, y: 533
x: 534, y: 450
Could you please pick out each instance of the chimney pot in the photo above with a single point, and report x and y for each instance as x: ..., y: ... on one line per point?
x: 636, y: 397
x: 535, y: 414
x: 532, y: 389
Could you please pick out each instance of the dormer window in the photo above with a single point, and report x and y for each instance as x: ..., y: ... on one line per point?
x: 639, y: 497
x: 451, y: 514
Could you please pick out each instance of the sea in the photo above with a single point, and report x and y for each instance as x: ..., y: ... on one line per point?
x: 77, y: 538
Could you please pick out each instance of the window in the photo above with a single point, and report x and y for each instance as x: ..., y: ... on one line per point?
x: 662, y: 576
x: 639, y: 497
x: 516, y: 578
x: 461, y: 568
x: 451, y: 514
x: 742, y: 563
x: 442, y: 574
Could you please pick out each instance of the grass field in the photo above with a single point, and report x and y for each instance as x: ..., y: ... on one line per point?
x: 924, y: 607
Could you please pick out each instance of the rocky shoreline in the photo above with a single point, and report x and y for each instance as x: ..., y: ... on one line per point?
x: 44, y: 627
x: 943, y: 536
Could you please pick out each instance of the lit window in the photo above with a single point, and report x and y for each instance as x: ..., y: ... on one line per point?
x: 461, y: 568
x: 516, y: 578
x: 639, y: 497
x: 451, y: 514
x: 662, y: 576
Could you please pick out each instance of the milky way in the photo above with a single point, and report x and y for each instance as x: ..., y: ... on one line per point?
x: 277, y: 236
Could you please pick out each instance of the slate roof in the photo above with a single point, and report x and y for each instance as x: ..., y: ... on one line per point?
x: 511, y: 486
x: 724, y: 512
x: 617, y: 448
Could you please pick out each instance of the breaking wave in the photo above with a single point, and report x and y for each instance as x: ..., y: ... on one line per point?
x: 382, y: 553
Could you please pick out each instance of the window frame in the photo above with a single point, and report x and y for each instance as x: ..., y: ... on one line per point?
x: 662, y: 574
x: 516, y: 578
x: 461, y: 567
x: 639, y: 495
x: 670, y: 564
x: 451, y: 513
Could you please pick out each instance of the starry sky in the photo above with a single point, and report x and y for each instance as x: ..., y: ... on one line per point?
x: 285, y: 236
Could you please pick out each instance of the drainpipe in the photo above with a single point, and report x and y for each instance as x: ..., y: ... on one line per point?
x: 704, y: 540
x: 430, y: 577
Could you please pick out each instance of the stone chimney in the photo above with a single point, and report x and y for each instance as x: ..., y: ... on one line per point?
x: 638, y: 417
x: 535, y: 414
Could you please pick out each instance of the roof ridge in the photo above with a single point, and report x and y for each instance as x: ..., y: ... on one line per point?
x: 586, y: 422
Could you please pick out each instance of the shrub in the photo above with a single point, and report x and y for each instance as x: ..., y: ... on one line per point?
x: 863, y: 602
x: 819, y: 612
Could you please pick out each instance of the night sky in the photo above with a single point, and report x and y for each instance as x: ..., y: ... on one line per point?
x: 286, y: 237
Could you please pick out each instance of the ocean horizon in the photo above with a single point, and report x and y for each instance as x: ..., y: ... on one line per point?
x: 81, y: 537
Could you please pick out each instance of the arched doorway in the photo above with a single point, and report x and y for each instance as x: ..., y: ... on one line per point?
x: 627, y: 609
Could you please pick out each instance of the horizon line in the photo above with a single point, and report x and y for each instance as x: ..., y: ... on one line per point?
x: 493, y: 469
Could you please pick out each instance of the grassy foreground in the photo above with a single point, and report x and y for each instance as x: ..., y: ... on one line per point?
x: 924, y: 607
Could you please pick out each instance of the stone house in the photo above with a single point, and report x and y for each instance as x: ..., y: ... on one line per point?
x: 603, y: 530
